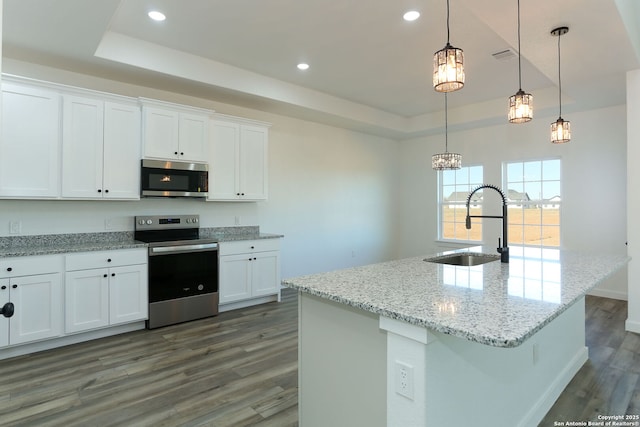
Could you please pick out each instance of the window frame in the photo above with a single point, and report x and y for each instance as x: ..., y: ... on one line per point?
x: 534, y: 202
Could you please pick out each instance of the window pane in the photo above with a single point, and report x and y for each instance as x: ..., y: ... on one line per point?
x: 551, y: 216
x: 551, y: 189
x: 551, y: 170
x: 514, y: 172
x: 475, y: 176
x: 532, y: 215
x: 533, y: 190
x: 515, y: 234
x: 532, y: 234
x: 448, y: 177
x: 551, y: 236
x: 532, y: 171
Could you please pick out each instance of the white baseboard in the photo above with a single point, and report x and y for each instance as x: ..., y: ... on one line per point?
x: 632, y: 326
x: 605, y: 293
x: 549, y: 397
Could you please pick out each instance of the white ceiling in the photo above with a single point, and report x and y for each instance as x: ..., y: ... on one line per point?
x: 370, y: 70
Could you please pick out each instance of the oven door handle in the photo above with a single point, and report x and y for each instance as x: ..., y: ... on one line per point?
x: 160, y: 250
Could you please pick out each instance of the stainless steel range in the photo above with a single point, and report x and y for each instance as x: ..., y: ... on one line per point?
x: 183, y: 269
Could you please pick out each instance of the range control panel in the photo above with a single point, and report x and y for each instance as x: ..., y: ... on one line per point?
x: 156, y: 222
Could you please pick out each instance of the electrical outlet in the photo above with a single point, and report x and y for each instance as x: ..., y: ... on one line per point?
x: 108, y: 224
x: 238, y: 220
x: 404, y: 380
x: 15, y: 227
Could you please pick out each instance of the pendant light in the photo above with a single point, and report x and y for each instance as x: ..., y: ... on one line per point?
x: 520, y: 104
x: 448, y: 66
x: 446, y: 160
x: 560, y: 129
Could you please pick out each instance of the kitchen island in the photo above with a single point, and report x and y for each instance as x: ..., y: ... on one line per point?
x: 417, y: 343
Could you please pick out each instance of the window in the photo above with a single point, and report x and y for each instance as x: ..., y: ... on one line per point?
x: 455, y: 186
x: 534, y: 200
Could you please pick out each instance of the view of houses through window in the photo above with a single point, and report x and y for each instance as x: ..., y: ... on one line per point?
x: 534, y: 201
x: 454, y: 190
x: 533, y: 196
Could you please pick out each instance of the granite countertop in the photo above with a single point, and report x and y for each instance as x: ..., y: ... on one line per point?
x: 48, y: 244
x: 494, y: 304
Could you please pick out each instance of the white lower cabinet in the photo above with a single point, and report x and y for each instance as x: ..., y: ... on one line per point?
x: 105, y: 288
x: 33, y: 285
x: 249, y: 269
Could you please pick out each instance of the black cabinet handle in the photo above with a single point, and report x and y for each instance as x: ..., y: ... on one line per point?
x: 106, y: 191
x: 7, y: 309
x: 253, y: 247
x: 99, y: 190
x: 181, y: 153
x: 113, y: 274
x: 3, y: 287
x: 14, y: 286
x: 9, y: 269
x: 175, y: 152
x: 108, y: 259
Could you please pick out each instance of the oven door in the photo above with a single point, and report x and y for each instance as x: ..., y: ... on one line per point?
x: 182, y: 271
x: 173, y: 179
x: 183, y: 283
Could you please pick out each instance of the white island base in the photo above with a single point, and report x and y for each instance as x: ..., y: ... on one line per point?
x: 354, y: 365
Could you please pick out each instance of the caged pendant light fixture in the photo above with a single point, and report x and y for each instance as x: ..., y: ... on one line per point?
x: 560, y: 129
x: 448, y: 66
x: 520, y: 104
x: 446, y: 160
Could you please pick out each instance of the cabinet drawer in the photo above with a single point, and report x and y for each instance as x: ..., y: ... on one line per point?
x: 30, y: 265
x: 100, y: 259
x: 249, y: 246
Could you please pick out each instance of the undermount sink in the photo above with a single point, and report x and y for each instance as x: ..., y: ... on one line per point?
x: 465, y: 259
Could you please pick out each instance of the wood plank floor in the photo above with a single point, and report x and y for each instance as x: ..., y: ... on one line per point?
x: 240, y: 369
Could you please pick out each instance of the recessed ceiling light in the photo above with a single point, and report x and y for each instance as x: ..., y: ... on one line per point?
x: 157, y: 16
x: 411, y: 15
x: 303, y: 66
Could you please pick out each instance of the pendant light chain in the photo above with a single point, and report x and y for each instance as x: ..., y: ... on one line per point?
x: 446, y: 124
x: 519, y: 60
x: 559, y: 77
x: 447, y: 22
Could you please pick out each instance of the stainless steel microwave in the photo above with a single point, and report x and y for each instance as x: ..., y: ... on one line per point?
x: 166, y: 178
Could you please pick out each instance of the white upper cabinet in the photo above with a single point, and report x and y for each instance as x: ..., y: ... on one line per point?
x: 238, y: 159
x: 100, y: 149
x: 175, y: 132
x: 30, y: 142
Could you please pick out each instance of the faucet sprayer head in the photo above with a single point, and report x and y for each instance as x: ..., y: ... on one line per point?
x: 467, y: 222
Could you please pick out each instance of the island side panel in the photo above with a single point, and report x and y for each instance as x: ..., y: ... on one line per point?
x: 461, y: 383
x: 341, y: 365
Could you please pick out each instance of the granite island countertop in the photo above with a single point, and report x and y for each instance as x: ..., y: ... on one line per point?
x: 495, y: 304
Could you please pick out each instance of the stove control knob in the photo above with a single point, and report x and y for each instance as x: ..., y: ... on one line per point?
x: 188, y: 220
x: 195, y: 219
x: 200, y: 287
x: 141, y: 221
x: 149, y: 222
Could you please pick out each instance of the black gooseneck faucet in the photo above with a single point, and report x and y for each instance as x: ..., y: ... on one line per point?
x: 503, y: 249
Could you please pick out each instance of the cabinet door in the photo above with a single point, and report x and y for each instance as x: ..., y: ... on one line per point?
x: 86, y: 300
x: 82, y: 128
x: 235, y: 278
x: 193, y: 137
x: 122, y: 142
x: 160, y: 133
x: 265, y: 278
x: 253, y: 162
x: 30, y: 143
x: 128, y: 294
x: 223, y: 161
x: 4, y: 321
x: 38, y: 308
